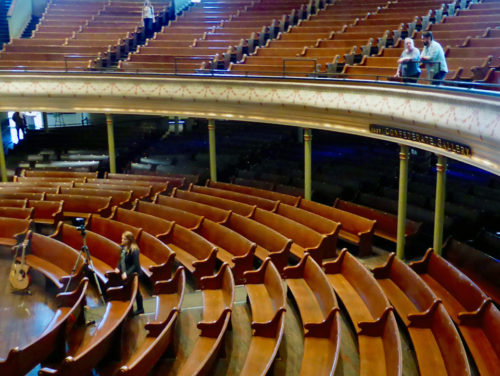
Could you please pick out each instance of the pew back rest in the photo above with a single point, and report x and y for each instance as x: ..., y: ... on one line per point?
x: 81, y: 204
x: 20, y: 213
x: 151, y: 224
x: 21, y: 196
x: 156, y: 187
x: 46, y: 209
x: 113, y: 230
x: 138, y: 191
x: 58, y: 174
x: 182, y: 217
x: 55, y: 252
x: 117, y: 197
x: 13, y: 226
x: 317, y: 281
x: 226, y: 238
x: 28, y: 189
x: 153, y: 248
x: 262, y: 235
x: 13, y: 203
x: 207, y: 211
x: 312, y: 220
x: 218, y: 202
x: 191, y: 241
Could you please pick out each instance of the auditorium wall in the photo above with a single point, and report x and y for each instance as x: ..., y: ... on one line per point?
x: 19, y: 16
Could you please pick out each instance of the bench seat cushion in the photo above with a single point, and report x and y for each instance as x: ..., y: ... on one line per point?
x: 452, y: 305
x: 320, y: 355
x: 146, y: 262
x: 260, y: 353
x: 310, y: 310
x: 260, y: 303
x: 184, y: 257
x: 350, y: 237
x: 427, y: 351
x: 372, y: 360
x: 48, y: 269
x: 213, y: 304
x: 225, y: 256
x: 261, y: 252
x: 164, y: 305
x: 297, y: 250
x: 101, y: 268
x: 8, y: 242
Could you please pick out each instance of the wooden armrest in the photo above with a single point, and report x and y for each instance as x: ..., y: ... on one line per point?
x: 114, y: 278
x: 162, y: 271
x: 213, y: 253
x: 474, y: 318
x: 58, y: 230
x: 424, y: 319
x: 334, y: 267
x: 124, y: 292
x: 250, y: 253
x: 69, y: 299
x: 268, y: 329
x: 420, y: 266
x: 73, y: 279
x: 254, y: 277
x: 170, y: 286
x: 384, y: 271
x: 296, y: 271
x: 213, y: 282
x: 48, y: 371
x: 156, y: 327
x: 321, y: 329
x: 213, y: 329
x: 376, y: 327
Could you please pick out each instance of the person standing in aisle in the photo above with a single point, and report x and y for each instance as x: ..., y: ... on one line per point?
x: 148, y: 17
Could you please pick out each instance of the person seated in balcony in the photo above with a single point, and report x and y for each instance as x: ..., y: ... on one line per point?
x: 408, y: 62
x: 148, y: 17
x: 433, y: 57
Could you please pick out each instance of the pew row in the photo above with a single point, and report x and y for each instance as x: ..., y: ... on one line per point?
x: 13, y: 230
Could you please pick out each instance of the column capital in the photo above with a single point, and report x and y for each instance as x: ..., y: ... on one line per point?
x: 307, y: 134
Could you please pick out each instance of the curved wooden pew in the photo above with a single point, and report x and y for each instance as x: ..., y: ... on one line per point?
x: 181, y: 217
x: 372, y: 316
x: 437, y: 344
x: 70, y: 309
x: 232, y: 248
x: 19, y: 213
x: 55, y: 260
x: 355, y: 229
x: 472, y: 311
x: 104, y: 252
x: 57, y: 174
x: 260, y: 202
x: 169, y: 295
x: 155, y: 226
x: 13, y: 203
x: 305, y: 240
x: 28, y: 188
x: 156, y: 187
x: 319, y: 312
x: 118, y: 198
x: 320, y: 224
x: 82, y: 206
x: 173, y: 181
x: 218, y: 299
x: 270, y: 195
x: 217, y: 202
x: 139, y: 192
x: 270, y: 243
x: 47, y: 212
x: 214, y: 214
x: 21, y: 196
x: 13, y: 229
x: 37, y: 179
x: 267, y: 298
x: 107, y: 334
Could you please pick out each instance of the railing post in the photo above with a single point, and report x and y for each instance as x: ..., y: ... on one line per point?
x: 307, y: 163
x: 440, y: 202
x: 403, y: 194
x: 3, y: 165
x: 111, y: 143
x: 211, y: 144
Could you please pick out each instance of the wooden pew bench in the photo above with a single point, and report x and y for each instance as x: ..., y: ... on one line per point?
x: 21, y: 196
x: 138, y: 192
x: 355, y: 229
x: 58, y: 174
x: 262, y: 203
x: 12, y: 229
x: 172, y: 181
x: 217, y: 202
x: 218, y: 299
x: 13, y: 203
x: 36, y: 179
x: 472, y: 311
x: 169, y: 296
x: 104, y: 252
x: 378, y: 336
x: 82, y: 206
x: 387, y: 224
x: 322, y: 225
x: 47, y: 212
x: 270, y: 243
x: 118, y: 198
x: 437, y: 344
x: 70, y: 309
x: 305, y: 240
x: 267, y: 298
x: 214, y: 214
x: 181, y: 217
x: 270, y: 195
x: 232, y: 248
x: 106, y: 336
x: 319, y: 312
x: 156, y: 187
x: 25, y: 188
x: 19, y: 213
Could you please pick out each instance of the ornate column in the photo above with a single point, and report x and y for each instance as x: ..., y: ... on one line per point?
x: 111, y: 143
x: 403, y: 194
x: 211, y: 144
x: 307, y: 163
x: 440, y: 201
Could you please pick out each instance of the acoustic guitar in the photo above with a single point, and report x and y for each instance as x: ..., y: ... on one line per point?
x: 19, y: 278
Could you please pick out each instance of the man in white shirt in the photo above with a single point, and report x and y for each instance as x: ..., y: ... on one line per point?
x: 148, y: 17
x: 433, y: 58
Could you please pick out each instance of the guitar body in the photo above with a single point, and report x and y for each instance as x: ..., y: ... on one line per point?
x: 18, y: 277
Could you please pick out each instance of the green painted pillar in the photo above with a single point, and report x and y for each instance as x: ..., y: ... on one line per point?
x: 111, y: 143
x: 307, y: 163
x: 3, y: 165
x: 440, y: 201
x: 211, y: 144
x: 403, y: 195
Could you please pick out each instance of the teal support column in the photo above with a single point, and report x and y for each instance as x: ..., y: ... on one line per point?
x: 440, y: 201
x: 403, y: 194
x: 211, y: 143
x: 111, y: 143
x: 307, y: 163
x: 3, y: 165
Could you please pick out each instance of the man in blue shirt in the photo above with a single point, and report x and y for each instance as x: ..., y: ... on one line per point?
x: 433, y: 58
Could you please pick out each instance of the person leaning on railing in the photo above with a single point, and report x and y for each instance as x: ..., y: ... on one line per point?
x: 434, y: 59
x: 408, y: 62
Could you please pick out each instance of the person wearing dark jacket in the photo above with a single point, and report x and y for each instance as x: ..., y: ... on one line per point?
x: 129, y: 264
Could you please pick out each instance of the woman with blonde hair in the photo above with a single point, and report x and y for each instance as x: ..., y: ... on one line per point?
x: 129, y: 263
